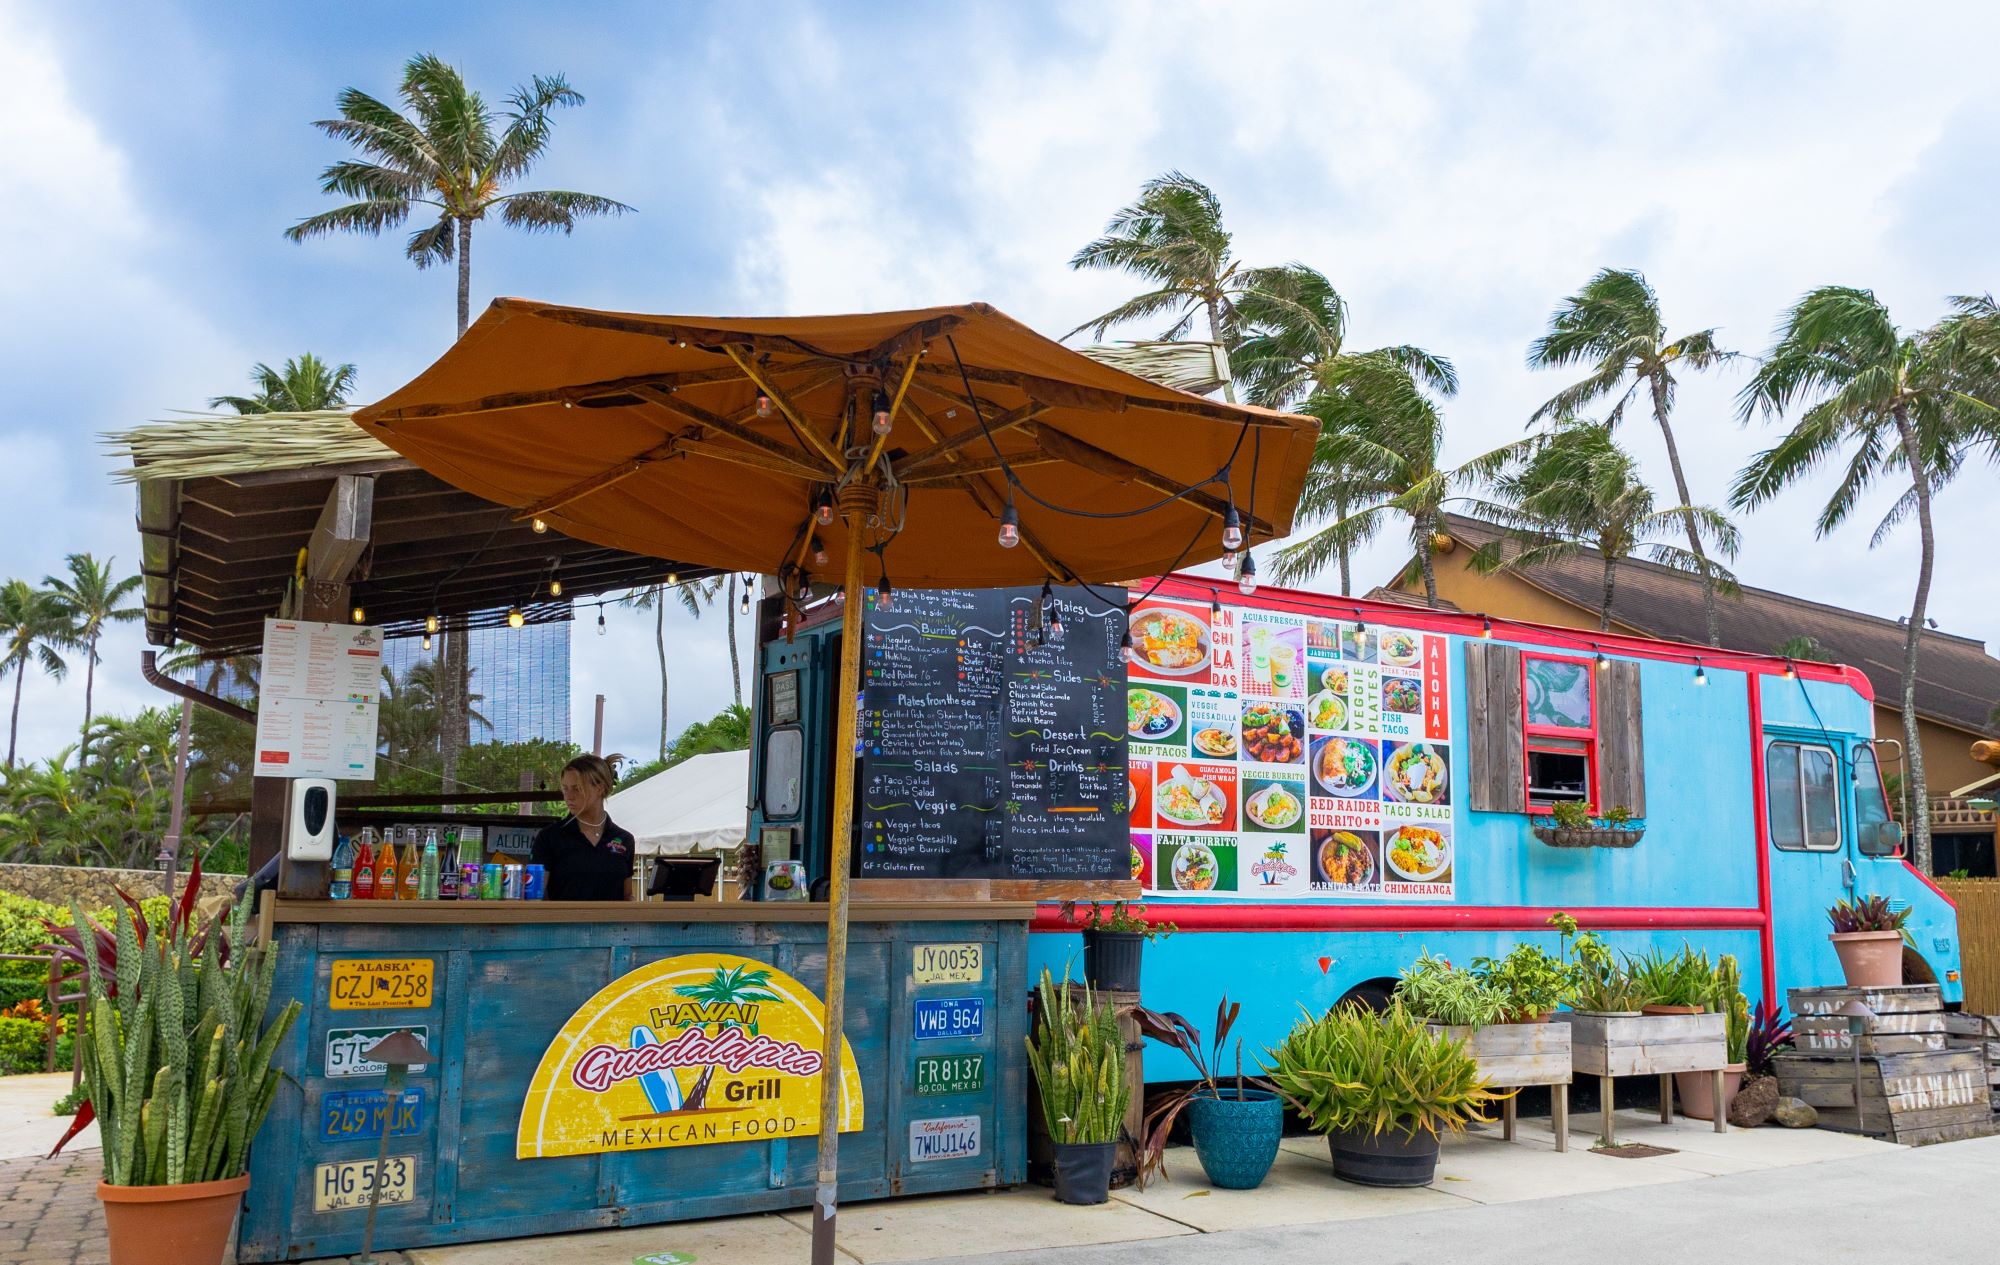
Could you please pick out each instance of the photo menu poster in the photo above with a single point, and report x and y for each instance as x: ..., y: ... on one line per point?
x: 1281, y: 756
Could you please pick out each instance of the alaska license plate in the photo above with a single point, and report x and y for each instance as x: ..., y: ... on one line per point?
x: 950, y: 1138
x: 939, y: 1017
x: 380, y: 984
x: 341, y: 1186
x: 950, y: 1074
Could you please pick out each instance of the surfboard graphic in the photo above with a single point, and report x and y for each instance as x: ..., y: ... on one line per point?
x: 663, y: 1091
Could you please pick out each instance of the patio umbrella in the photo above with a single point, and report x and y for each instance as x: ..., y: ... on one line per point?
x: 926, y: 438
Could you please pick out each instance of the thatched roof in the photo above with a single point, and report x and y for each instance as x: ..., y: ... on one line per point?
x: 215, y: 445
x: 1185, y: 366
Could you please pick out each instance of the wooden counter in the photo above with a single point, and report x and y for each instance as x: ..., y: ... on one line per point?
x: 529, y: 912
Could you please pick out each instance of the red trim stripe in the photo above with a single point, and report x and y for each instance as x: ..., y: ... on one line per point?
x: 1244, y: 917
x: 1762, y: 836
x: 1931, y: 883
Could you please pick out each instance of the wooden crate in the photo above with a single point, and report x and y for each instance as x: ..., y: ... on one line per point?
x: 1893, y: 1033
x: 1647, y: 1045
x: 1928, y: 1096
x: 1124, y: 1169
x: 1514, y: 1054
x: 1902, y: 999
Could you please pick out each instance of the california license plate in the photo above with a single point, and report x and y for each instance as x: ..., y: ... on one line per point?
x: 939, y: 1017
x: 364, y: 1113
x: 341, y: 1186
x: 380, y: 984
x: 950, y: 1138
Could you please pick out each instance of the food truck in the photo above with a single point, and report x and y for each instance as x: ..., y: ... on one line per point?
x: 1316, y: 789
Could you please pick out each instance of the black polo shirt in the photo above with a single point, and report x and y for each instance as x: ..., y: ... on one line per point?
x: 579, y: 869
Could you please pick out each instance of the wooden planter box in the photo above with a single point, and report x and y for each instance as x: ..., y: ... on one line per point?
x: 1609, y: 1046
x: 1928, y: 1096
x: 1587, y: 837
x: 1511, y: 1055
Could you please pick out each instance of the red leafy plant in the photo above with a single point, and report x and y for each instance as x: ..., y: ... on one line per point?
x: 1172, y: 1029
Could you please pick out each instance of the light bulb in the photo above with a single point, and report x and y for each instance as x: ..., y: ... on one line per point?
x: 430, y: 623
x: 883, y: 594
x: 360, y: 616
x: 743, y: 607
x: 673, y: 578
x: 1214, y: 602
x: 1485, y: 627
x: 1048, y: 595
x: 515, y: 618
x: 1700, y: 677
x: 805, y: 589
x: 823, y: 508
x: 1228, y: 559
x: 763, y: 405
x: 427, y: 641
x: 541, y: 525
x: 1010, y: 526
x: 882, y: 423
x: 1246, y: 575
x: 555, y: 586
x: 819, y: 553
x: 600, y: 621
x: 1602, y: 662
x: 1232, y: 530
x: 1055, y: 627
x: 1125, y: 648
x: 1791, y: 673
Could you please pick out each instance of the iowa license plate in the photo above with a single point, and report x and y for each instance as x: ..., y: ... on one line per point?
x: 380, y: 984
x: 939, y: 1017
x: 949, y: 1138
x: 340, y: 1186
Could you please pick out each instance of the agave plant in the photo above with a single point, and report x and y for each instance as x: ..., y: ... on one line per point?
x: 1728, y: 999
x: 1078, y: 1057
x: 1686, y: 978
x: 1353, y: 1070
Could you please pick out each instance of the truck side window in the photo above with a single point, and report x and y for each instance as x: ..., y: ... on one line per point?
x: 1560, y: 724
x: 1549, y: 728
x: 1871, y: 806
x: 784, y: 768
x: 1802, y: 796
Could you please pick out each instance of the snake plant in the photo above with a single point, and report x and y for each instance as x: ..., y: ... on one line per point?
x: 1078, y: 1057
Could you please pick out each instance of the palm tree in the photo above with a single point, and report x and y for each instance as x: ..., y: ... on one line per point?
x: 693, y: 596
x: 32, y: 628
x: 727, y: 730
x: 1381, y: 439
x: 1852, y: 380
x: 89, y: 599
x: 1577, y: 491
x: 306, y: 384
x: 1804, y: 649
x: 1173, y: 237
x: 1613, y: 325
x: 735, y: 655
x: 453, y: 152
x: 730, y: 985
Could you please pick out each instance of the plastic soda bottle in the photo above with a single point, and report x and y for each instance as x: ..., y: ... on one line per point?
x: 342, y: 887
x: 364, y: 869
x: 427, y: 871
x: 385, y: 872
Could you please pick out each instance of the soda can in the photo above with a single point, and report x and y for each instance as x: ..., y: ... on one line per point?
x: 491, y: 885
x: 534, y: 882
x: 468, y: 881
x: 516, y: 882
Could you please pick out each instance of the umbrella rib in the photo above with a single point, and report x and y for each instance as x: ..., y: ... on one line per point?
x: 1058, y: 392
x: 915, y: 465
x: 813, y: 438
x: 596, y: 482
x: 702, y: 417
x: 1069, y: 448
x: 583, y: 391
x: 986, y: 499
x: 945, y: 473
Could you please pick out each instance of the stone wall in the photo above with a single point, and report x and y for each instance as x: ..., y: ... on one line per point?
x: 96, y: 888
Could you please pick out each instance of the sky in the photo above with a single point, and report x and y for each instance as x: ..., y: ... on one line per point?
x: 1456, y: 169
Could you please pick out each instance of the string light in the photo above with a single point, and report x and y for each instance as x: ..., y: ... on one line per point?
x: 1048, y: 596
x: 515, y: 618
x: 1010, y: 524
x: 600, y: 620
x: 763, y: 405
x: 540, y: 525
x: 823, y: 508
x: 743, y: 606
x: 883, y: 422
x: 555, y: 586
x: 1791, y: 673
x: 1232, y: 530
x: 805, y: 590
x: 1126, y: 651
x: 1214, y: 602
x: 1056, y: 626
x: 1485, y: 627
x: 1700, y: 677
x: 430, y: 625
x: 1602, y: 662
x: 1246, y: 575
x: 673, y: 578
x: 360, y: 616
x: 427, y: 641
x: 883, y: 593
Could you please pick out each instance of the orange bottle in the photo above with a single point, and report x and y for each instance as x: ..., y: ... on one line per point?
x: 386, y: 886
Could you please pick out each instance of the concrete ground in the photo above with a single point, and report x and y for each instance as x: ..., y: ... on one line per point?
x: 1184, y: 1219
x: 27, y: 1127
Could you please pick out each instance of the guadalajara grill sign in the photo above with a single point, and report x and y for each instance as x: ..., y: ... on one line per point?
x: 687, y: 1051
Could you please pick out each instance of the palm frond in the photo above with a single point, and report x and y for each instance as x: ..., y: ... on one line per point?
x: 553, y: 209
x: 371, y: 217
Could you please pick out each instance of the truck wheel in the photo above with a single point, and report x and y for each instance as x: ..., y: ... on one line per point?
x: 1372, y: 995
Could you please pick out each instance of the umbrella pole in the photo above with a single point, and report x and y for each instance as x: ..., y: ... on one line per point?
x: 825, y: 1195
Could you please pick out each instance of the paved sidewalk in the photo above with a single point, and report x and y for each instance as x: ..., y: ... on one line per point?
x: 49, y: 1214
x: 28, y: 1128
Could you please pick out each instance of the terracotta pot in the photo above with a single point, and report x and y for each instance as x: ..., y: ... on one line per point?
x: 1697, y: 1090
x: 1669, y: 1010
x: 1870, y: 959
x: 1543, y: 1017
x: 171, y: 1225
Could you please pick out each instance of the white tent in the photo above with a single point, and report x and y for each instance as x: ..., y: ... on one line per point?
x: 696, y: 806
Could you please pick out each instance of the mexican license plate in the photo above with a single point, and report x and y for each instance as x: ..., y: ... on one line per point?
x: 951, y: 1073
x: 380, y: 984
x: 948, y: 963
x: 939, y: 1017
x: 340, y: 1186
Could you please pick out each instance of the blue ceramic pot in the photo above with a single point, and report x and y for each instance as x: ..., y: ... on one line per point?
x: 1236, y: 1138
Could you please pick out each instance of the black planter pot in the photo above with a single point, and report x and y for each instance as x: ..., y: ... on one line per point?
x: 1111, y: 959
x: 1384, y: 1159
x: 1083, y: 1171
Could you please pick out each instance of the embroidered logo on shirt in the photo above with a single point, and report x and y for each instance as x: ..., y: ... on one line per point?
x: 614, y: 845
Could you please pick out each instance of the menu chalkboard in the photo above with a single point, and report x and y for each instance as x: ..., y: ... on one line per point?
x: 984, y: 754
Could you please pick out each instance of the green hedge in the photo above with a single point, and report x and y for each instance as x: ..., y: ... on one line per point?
x: 21, y: 931
x: 22, y: 1047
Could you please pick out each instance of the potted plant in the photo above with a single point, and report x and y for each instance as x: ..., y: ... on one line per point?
x: 1680, y: 983
x: 178, y: 1074
x: 1113, y: 938
x: 1598, y: 984
x: 1757, y: 1098
x: 1869, y: 936
x: 1530, y: 982
x: 1382, y: 1087
x: 1450, y: 996
x: 1573, y: 825
x: 1697, y: 1089
x: 1078, y: 1058
x: 1236, y: 1124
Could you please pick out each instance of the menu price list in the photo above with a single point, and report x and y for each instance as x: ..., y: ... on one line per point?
x: 984, y: 753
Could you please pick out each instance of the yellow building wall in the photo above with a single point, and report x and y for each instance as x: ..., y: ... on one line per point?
x: 1948, y: 761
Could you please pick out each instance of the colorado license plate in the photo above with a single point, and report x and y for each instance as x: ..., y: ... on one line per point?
x: 380, y: 984
x: 939, y: 1017
x: 339, y: 1186
x: 345, y: 1047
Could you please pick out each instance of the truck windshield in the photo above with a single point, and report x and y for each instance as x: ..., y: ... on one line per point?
x: 1871, y: 805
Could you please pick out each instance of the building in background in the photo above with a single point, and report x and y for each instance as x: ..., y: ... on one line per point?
x: 522, y: 674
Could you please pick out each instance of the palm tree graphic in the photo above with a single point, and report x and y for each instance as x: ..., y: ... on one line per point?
x: 730, y: 985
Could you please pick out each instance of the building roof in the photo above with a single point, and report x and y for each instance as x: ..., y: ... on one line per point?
x: 1958, y: 683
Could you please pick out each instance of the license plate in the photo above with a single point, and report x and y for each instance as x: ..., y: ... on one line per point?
x: 362, y: 1113
x: 345, y: 1046
x: 949, y: 963
x: 340, y: 1186
x: 380, y: 984
x: 951, y: 1138
x: 939, y: 1017
x: 951, y: 1073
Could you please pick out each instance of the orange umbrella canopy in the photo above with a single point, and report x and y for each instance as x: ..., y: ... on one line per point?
x: 709, y: 440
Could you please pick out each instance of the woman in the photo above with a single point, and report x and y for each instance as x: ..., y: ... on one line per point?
x: 585, y: 855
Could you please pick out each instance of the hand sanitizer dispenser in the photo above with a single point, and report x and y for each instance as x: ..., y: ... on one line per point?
x: 309, y: 820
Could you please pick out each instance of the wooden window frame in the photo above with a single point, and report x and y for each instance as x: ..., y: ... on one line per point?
x: 1530, y: 731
